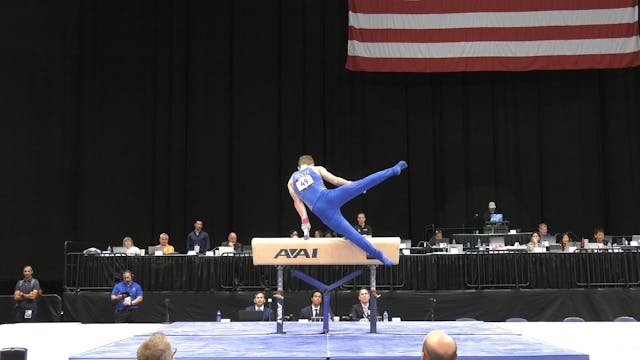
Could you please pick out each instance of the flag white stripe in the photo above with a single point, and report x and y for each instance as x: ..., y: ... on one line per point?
x: 494, y: 19
x: 494, y: 48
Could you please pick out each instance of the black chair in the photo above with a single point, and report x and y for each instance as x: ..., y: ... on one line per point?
x: 517, y: 319
x: 573, y: 319
x: 14, y: 353
x: 625, y: 319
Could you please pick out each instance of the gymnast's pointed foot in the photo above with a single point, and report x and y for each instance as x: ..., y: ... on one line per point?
x: 401, y: 165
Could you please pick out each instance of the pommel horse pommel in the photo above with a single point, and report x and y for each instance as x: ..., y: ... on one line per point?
x: 321, y: 251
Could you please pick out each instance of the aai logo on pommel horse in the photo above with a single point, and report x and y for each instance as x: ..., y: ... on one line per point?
x: 296, y: 253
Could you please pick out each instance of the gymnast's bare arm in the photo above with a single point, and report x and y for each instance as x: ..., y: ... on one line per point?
x: 297, y: 203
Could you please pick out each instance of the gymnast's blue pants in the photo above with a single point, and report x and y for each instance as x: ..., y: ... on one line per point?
x: 328, y: 205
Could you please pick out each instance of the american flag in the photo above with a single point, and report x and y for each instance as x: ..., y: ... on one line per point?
x: 503, y: 35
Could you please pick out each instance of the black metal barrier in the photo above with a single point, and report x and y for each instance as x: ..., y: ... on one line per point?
x: 435, y: 271
x: 49, y: 308
x: 486, y: 305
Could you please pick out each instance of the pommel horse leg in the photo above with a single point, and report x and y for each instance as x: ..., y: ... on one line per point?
x: 280, y: 301
x: 326, y: 291
x: 287, y: 251
x: 373, y: 301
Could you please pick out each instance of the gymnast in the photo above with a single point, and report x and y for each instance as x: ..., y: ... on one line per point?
x: 306, y: 186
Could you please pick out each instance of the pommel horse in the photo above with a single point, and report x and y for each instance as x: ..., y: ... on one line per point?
x: 281, y: 252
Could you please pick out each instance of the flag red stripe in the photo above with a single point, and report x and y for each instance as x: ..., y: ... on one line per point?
x: 466, y: 6
x: 494, y: 34
x: 357, y: 63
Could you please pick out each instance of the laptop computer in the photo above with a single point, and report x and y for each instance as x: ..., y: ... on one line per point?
x: 496, y: 218
x: 225, y: 250
x: 405, y: 244
x: 250, y: 315
x: 456, y: 248
x: 555, y: 248
x: 119, y: 250
x: 549, y: 238
x: 151, y: 250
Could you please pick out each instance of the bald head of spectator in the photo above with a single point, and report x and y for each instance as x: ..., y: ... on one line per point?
x: 156, y: 347
x: 439, y: 346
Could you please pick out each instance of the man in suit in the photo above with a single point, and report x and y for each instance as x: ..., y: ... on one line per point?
x: 313, y: 311
x: 258, y: 305
x: 360, y: 311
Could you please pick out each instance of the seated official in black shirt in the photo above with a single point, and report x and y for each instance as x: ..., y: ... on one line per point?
x: 232, y: 240
x: 362, y: 228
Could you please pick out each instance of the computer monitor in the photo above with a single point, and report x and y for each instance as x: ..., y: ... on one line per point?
x: 152, y: 249
x: 405, y: 243
x: 119, y: 250
x: 496, y: 218
x: 250, y: 315
x: 550, y: 239
x: 225, y: 250
x: 555, y: 247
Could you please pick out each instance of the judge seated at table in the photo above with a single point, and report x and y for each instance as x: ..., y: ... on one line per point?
x: 232, y: 240
x: 164, y: 243
x: 258, y: 305
x: 315, y: 310
x: 534, y: 243
x: 490, y: 211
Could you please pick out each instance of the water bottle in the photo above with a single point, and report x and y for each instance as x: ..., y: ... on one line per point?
x: 479, y: 243
x: 385, y: 316
x: 109, y: 248
x: 218, y: 316
x: 624, y: 241
x: 453, y: 242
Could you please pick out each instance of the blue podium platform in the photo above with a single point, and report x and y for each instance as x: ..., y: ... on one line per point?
x: 395, y: 340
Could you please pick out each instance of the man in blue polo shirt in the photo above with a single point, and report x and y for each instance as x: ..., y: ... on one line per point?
x: 128, y: 295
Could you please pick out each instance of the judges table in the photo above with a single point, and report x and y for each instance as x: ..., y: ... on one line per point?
x: 431, y: 271
x: 506, y: 239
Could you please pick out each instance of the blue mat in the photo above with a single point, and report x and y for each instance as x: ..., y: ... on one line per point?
x: 199, y: 340
x: 264, y: 328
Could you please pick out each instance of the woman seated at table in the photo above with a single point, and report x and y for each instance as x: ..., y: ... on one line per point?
x: 127, y: 243
x: 534, y: 242
x: 565, y: 242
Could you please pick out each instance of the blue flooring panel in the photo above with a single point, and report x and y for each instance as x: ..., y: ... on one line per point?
x: 476, y: 340
x: 264, y: 328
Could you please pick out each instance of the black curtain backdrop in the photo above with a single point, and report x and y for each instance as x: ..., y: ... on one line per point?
x: 136, y: 117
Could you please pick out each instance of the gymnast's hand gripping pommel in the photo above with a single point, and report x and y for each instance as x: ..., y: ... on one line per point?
x: 306, y: 187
